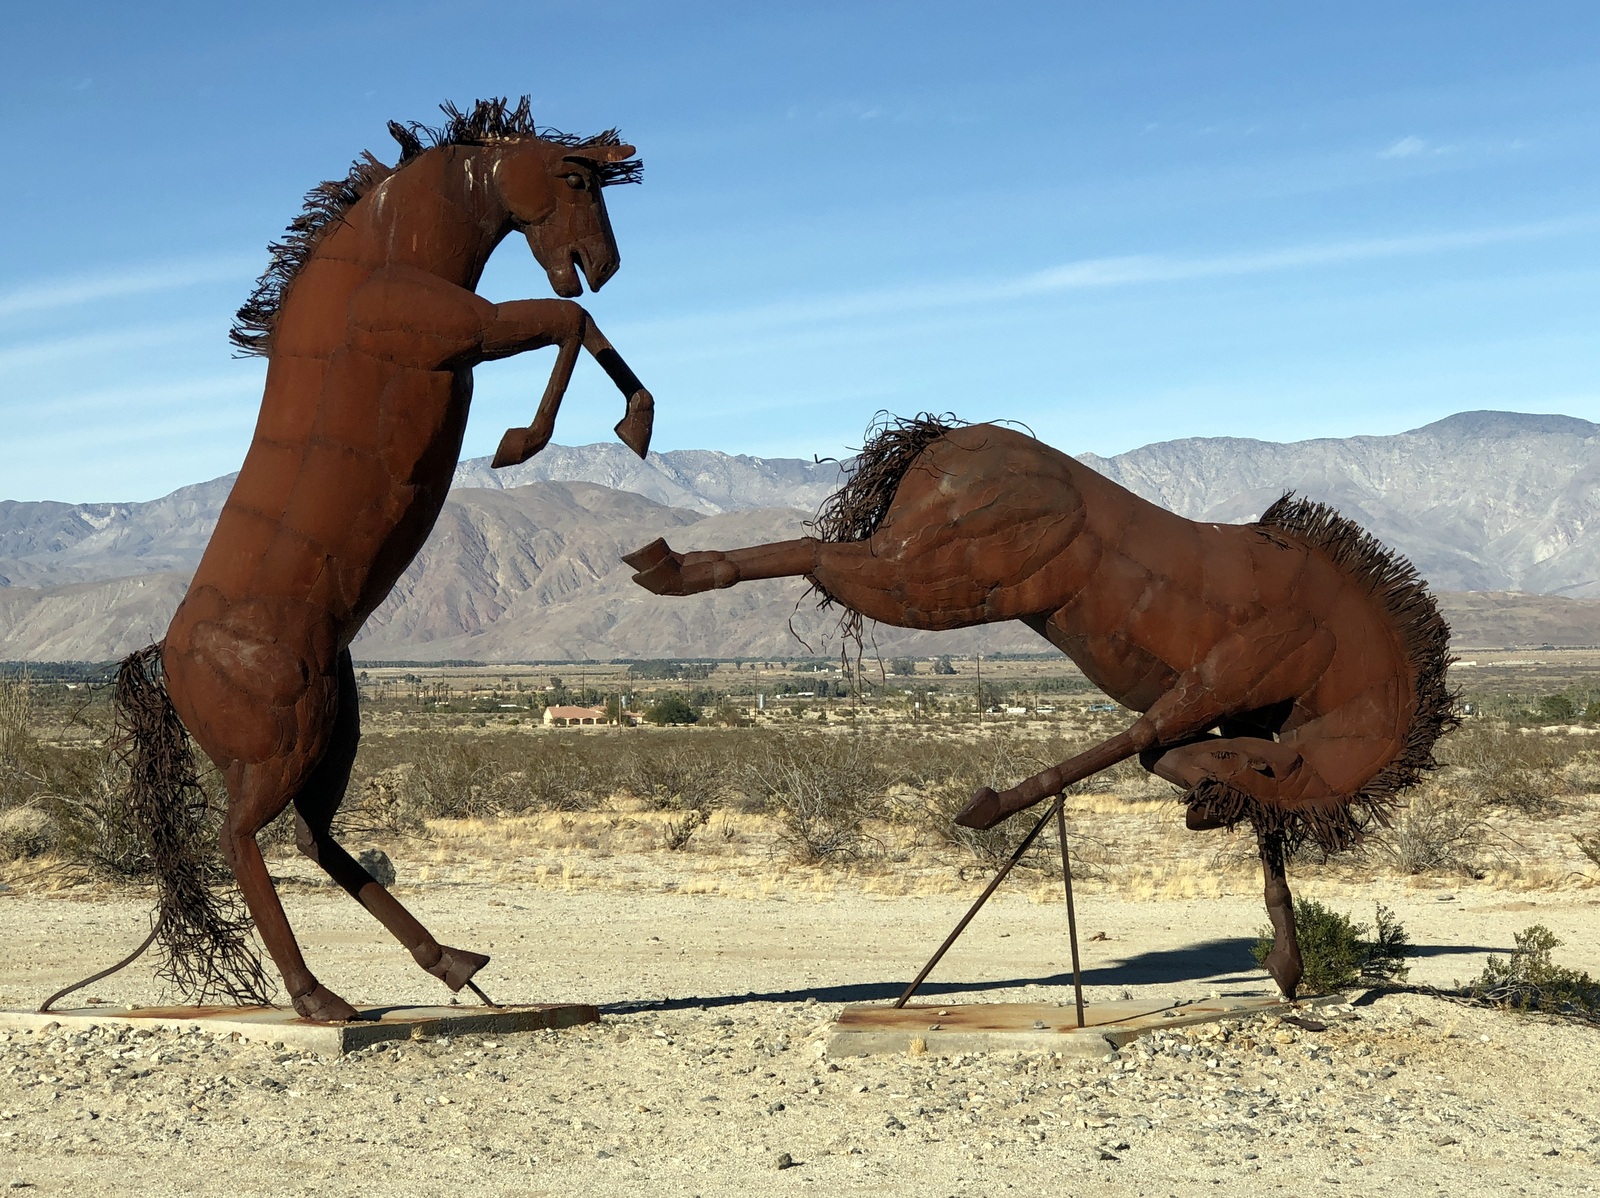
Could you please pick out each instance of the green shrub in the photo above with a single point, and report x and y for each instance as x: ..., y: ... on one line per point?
x: 672, y: 709
x: 1557, y: 709
x: 1336, y: 951
x: 1530, y: 980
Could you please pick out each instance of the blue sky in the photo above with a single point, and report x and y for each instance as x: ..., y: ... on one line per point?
x: 1115, y: 223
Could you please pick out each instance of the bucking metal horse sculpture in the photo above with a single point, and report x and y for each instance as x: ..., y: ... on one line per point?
x: 1290, y: 672
x: 369, y: 320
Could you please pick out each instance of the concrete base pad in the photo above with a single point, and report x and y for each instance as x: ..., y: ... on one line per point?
x: 1032, y: 1027
x: 282, y: 1026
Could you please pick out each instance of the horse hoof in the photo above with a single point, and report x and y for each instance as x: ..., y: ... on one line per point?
x: 634, y: 429
x: 660, y: 570
x: 324, y: 1006
x: 983, y: 812
x: 456, y: 966
x: 651, y: 556
x: 1285, y: 968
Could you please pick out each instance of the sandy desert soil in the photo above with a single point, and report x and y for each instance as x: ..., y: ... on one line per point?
x: 708, y: 1071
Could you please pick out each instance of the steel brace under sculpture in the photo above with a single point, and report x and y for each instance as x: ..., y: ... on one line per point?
x: 368, y: 316
x: 1290, y: 672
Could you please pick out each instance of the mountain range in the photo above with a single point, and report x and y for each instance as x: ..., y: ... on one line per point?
x: 524, y: 563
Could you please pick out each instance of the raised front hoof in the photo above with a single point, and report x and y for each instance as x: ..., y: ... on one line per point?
x: 322, y: 1005
x: 634, y: 429
x: 456, y: 966
x: 651, y: 556
x: 984, y: 811
x: 517, y: 446
x: 1285, y: 967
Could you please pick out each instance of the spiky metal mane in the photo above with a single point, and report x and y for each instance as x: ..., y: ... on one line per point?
x: 855, y: 510
x: 485, y: 123
x: 1424, y: 640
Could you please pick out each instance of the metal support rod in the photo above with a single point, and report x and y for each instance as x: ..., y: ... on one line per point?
x: 1072, y: 916
x: 1027, y: 842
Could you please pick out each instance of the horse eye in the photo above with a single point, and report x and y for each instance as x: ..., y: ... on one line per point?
x: 575, y: 181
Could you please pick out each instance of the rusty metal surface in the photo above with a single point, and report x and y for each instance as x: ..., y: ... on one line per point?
x: 1287, y: 673
x: 369, y: 320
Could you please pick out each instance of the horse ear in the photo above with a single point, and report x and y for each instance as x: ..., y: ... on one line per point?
x: 600, y: 154
x: 410, y: 143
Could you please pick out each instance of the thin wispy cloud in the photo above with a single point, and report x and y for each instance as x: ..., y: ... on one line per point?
x: 1406, y: 147
x: 83, y: 289
x: 1115, y: 271
x: 209, y: 396
x: 89, y: 346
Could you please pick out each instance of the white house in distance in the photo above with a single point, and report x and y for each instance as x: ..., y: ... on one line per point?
x: 566, y: 717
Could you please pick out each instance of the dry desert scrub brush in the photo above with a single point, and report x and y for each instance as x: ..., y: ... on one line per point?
x: 1435, y: 831
x: 822, y: 791
x: 1503, y: 766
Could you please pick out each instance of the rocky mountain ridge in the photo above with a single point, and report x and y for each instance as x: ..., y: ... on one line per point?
x: 524, y: 564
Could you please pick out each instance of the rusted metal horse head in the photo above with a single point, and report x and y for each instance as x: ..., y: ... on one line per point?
x: 1290, y: 672
x: 368, y: 316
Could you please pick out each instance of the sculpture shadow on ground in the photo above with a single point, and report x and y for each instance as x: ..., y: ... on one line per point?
x: 1223, y: 961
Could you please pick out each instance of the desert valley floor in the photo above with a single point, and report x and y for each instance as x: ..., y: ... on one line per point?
x: 717, y: 979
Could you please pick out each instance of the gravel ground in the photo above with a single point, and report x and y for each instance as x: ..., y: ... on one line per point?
x: 1405, y: 1095
x: 716, y: 1090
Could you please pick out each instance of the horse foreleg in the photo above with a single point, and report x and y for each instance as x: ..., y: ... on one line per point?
x: 315, y: 806
x: 634, y: 429
x: 989, y: 807
x: 520, y: 325
x: 1283, y: 962
x: 664, y: 571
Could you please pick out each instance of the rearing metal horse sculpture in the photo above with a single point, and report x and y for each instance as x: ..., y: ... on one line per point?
x: 1290, y: 672
x: 372, y: 328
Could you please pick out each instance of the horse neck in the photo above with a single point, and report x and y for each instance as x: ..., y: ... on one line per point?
x: 440, y: 213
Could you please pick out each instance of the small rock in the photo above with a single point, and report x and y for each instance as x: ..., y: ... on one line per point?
x: 376, y: 862
x: 1109, y: 1156
x: 894, y: 1124
x: 1444, y: 1140
x: 785, y: 1161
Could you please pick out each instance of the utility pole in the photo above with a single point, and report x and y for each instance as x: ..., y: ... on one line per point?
x: 980, y: 690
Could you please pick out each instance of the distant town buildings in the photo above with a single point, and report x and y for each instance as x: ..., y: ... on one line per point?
x: 564, y: 717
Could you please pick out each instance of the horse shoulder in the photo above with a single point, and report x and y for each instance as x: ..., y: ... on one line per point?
x: 415, y: 319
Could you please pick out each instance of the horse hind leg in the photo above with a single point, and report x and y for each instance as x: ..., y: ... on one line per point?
x: 315, y: 806
x: 1283, y: 961
x: 256, y: 794
x: 1217, y: 772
